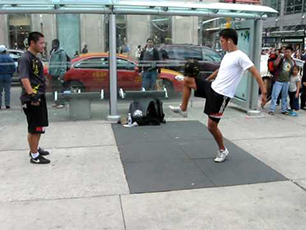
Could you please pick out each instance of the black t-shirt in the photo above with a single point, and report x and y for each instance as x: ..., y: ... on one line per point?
x: 31, y: 67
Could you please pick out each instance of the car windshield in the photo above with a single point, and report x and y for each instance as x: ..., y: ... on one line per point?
x: 124, y: 64
x: 192, y: 53
x: 210, y: 55
x: 93, y: 63
x: 14, y: 57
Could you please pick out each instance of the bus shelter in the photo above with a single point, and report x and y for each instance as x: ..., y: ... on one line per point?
x: 246, y: 19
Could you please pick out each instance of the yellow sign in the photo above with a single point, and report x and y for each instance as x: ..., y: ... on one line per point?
x: 99, y: 76
x: 228, y: 23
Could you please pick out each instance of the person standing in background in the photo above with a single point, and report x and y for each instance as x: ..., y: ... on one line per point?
x: 7, y: 68
x: 57, y: 68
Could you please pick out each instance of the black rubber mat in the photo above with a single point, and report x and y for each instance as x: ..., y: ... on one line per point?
x: 180, y: 155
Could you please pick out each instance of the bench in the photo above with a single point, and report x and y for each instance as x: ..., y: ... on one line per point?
x: 79, y: 103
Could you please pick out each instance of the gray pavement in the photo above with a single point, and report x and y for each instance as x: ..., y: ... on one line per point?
x: 85, y: 186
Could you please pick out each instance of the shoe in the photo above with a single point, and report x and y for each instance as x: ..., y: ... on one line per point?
x: 293, y: 114
x: 271, y: 113
x: 285, y: 113
x: 60, y: 106
x: 41, y: 151
x: 54, y: 105
x: 39, y: 160
x: 178, y: 110
x: 221, y: 156
x: 7, y: 107
x: 304, y: 107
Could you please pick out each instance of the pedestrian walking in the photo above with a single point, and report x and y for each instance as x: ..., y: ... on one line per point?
x: 30, y: 71
x: 149, y: 58
x: 85, y: 49
x: 57, y: 68
x: 138, y: 52
x: 219, y: 92
x: 7, y: 69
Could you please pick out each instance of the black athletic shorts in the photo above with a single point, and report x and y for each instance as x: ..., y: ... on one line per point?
x: 215, y: 103
x: 37, y: 116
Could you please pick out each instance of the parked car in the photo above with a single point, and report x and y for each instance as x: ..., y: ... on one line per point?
x: 90, y: 72
x: 15, y: 55
x: 175, y: 55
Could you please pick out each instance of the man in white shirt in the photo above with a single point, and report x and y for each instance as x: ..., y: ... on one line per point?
x: 222, y: 89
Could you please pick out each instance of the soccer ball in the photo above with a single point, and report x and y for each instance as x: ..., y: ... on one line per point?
x: 137, y: 113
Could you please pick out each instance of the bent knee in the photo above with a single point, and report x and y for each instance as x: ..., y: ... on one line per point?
x: 212, y: 126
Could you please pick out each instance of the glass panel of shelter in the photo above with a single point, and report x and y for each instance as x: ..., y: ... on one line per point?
x: 175, y: 43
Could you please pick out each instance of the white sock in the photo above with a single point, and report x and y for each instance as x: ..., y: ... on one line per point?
x: 34, y: 155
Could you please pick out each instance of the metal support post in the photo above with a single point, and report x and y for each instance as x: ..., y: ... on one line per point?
x: 256, y: 57
x: 113, y: 102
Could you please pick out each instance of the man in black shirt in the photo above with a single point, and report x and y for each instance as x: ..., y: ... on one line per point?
x: 30, y: 70
x: 148, y: 60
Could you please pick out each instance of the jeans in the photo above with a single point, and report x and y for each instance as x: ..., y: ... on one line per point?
x: 149, y: 80
x: 56, y: 85
x: 280, y: 87
x: 5, y: 84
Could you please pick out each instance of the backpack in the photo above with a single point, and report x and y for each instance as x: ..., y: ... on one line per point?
x: 152, y: 115
x: 271, y: 61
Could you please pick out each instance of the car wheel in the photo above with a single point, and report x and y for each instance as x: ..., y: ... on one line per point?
x: 76, y: 87
x: 169, y: 87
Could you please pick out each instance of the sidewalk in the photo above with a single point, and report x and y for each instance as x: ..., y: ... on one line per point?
x: 85, y: 186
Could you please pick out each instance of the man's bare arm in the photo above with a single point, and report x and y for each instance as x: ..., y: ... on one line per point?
x: 27, y: 85
x: 213, y: 75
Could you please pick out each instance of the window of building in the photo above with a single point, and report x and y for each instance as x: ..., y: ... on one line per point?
x: 121, y: 33
x: 293, y: 6
x: 68, y: 32
x: 161, y: 29
x: 19, y: 29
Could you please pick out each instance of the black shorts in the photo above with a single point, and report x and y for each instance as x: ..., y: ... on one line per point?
x: 215, y: 103
x: 37, y: 116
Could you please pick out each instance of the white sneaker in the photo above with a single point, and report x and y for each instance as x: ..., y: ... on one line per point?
x: 221, y: 156
x: 178, y: 110
x: 60, y: 106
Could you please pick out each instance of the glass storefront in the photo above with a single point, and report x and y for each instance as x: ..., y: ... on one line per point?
x: 19, y: 29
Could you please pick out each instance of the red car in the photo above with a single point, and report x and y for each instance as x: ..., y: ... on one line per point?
x: 90, y: 72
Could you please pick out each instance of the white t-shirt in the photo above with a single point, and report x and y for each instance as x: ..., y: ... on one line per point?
x: 230, y: 73
x: 293, y: 81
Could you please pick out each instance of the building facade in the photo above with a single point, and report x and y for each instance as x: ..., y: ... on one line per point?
x: 288, y: 27
x: 76, y: 30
